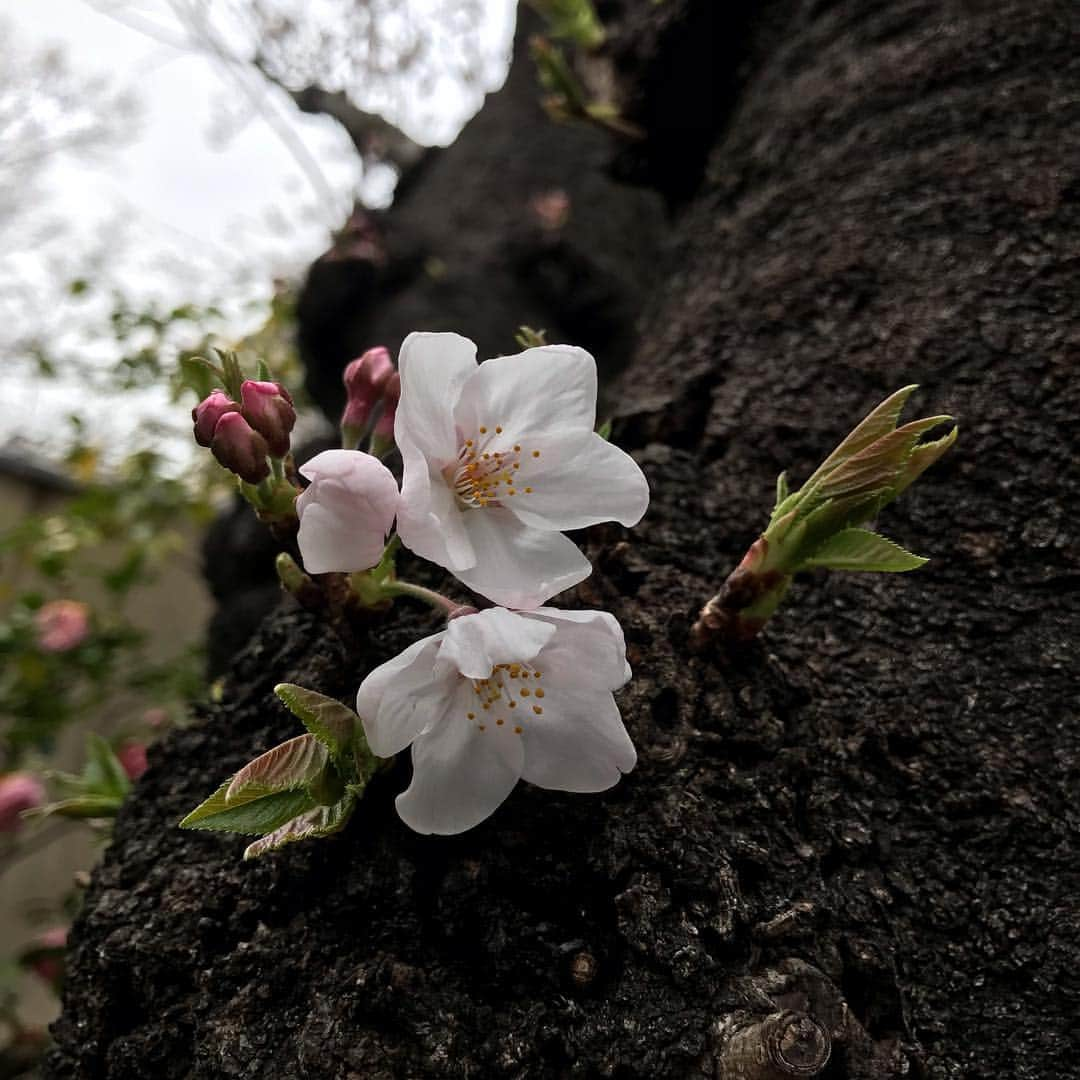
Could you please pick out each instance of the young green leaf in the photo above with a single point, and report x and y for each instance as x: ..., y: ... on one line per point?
x: 877, y: 423
x: 103, y: 773
x: 320, y: 821
x: 288, y: 766
x: 782, y: 491
x: 332, y: 723
x: 256, y: 811
x: 860, y: 549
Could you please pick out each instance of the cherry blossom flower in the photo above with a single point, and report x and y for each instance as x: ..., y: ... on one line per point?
x: 496, y: 697
x: 346, y: 511
x: 499, y: 458
x: 62, y: 625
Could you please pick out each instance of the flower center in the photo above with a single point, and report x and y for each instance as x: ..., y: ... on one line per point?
x: 509, y: 696
x: 484, y: 476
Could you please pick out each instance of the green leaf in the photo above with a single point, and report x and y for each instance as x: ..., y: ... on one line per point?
x: 922, y: 457
x: 877, y: 423
x: 782, y: 491
x: 200, y: 375
x: 321, y: 821
x: 287, y: 767
x: 332, y: 723
x: 80, y: 806
x: 256, y: 811
x: 860, y: 549
x: 604, y: 431
x: 879, y: 465
x: 103, y: 774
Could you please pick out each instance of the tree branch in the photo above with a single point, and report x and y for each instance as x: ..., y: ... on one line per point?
x: 370, y: 134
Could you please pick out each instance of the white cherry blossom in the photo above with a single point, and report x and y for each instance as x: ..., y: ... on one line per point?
x: 345, y: 512
x: 499, y: 458
x: 496, y: 697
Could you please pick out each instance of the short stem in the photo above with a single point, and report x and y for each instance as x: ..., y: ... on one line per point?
x: 746, y: 601
x: 419, y: 592
x: 277, y: 468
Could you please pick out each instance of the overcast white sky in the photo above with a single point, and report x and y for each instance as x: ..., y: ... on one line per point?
x: 193, y: 216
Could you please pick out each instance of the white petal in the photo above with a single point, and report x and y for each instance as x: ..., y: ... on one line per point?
x: 597, y: 482
x: 474, y: 644
x: 433, y: 368
x: 588, y: 649
x: 402, y: 697
x: 460, y: 773
x: 548, y: 389
x: 346, y: 511
x: 429, y: 520
x: 579, y: 743
x: 516, y: 566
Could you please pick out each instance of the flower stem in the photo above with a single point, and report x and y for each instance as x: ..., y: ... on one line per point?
x: 419, y: 592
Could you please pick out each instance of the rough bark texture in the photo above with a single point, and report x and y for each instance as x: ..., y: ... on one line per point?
x: 867, y: 817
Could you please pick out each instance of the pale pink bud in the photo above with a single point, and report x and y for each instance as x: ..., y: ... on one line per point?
x: 132, y: 757
x: 157, y: 717
x: 207, y: 414
x: 365, y: 381
x: 61, y: 625
x: 268, y: 408
x: 384, y: 429
x: 240, y: 449
x: 47, y: 958
x: 19, y: 791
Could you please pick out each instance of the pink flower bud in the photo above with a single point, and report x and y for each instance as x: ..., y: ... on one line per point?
x: 366, y: 379
x: 132, y: 757
x: 268, y: 408
x: 208, y: 412
x: 46, y: 956
x: 384, y: 429
x: 19, y: 791
x: 240, y: 449
x: 61, y: 625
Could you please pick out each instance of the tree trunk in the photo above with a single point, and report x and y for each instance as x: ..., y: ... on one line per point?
x: 849, y: 850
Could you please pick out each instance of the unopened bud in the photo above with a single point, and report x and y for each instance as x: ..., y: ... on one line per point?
x: 268, y: 408
x: 19, y: 791
x: 207, y: 414
x: 240, y: 448
x: 384, y: 429
x: 366, y: 380
x: 132, y: 757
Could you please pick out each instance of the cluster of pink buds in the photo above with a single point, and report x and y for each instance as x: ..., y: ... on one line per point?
x: 242, y: 435
x: 372, y: 383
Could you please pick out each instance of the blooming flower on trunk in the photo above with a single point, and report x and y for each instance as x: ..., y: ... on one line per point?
x: 496, y: 697
x: 499, y: 458
x: 345, y: 512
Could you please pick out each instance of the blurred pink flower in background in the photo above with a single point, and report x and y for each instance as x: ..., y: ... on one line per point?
x: 62, y: 625
x: 132, y: 756
x: 19, y: 791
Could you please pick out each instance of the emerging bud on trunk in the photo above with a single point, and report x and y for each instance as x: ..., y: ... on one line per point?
x: 207, y: 414
x: 366, y: 381
x: 240, y: 448
x: 268, y: 408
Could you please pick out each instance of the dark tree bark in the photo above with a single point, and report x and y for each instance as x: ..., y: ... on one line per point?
x: 856, y: 837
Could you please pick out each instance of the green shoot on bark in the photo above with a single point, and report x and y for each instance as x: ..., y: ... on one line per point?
x: 820, y: 525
